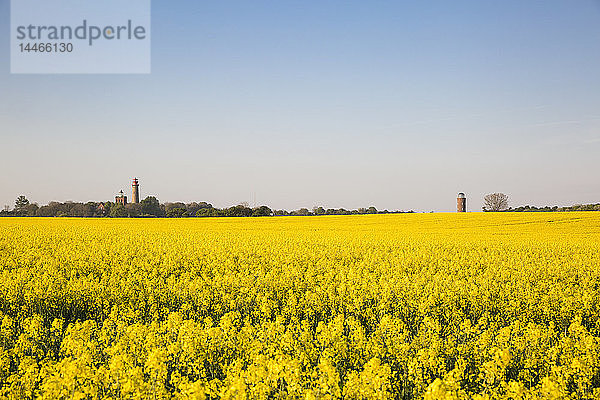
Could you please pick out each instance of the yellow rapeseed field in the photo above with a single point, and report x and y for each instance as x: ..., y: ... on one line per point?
x: 410, y: 306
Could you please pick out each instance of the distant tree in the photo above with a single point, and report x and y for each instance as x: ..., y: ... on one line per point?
x: 171, y: 206
x: 209, y: 212
x: 177, y: 212
x: 495, y: 202
x: 240, y: 210
x: 81, y: 210
x: 49, y: 210
x: 262, y: 211
x: 92, y: 209
x: 151, y: 206
x: 118, y: 211
x: 20, y: 204
x: 371, y: 210
x: 31, y: 210
x: 302, y: 211
x: 340, y: 211
x: 192, y: 208
x: 319, y: 211
x: 133, y: 210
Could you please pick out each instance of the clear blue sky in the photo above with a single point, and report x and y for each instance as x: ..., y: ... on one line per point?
x: 394, y: 104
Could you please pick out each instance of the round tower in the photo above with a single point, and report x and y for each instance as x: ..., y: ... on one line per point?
x: 135, y: 191
x: 461, y: 203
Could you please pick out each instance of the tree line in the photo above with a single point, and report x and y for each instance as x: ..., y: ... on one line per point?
x: 151, y: 207
x: 496, y: 202
x: 576, y: 207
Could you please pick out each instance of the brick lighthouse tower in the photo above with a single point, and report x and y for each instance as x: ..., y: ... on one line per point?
x: 135, y: 191
x: 461, y: 203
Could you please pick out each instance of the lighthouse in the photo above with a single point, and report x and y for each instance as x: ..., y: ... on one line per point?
x: 461, y: 203
x: 135, y: 191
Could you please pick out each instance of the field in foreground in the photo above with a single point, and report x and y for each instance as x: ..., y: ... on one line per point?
x: 434, y: 306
